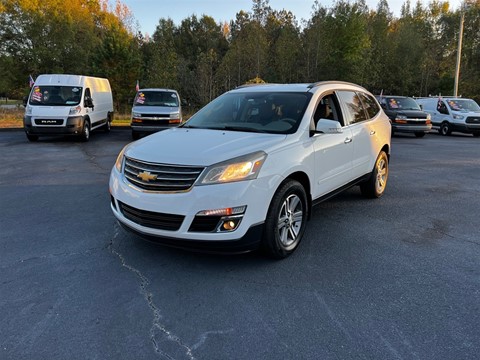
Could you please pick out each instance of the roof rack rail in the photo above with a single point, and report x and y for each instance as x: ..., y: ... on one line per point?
x: 318, y: 83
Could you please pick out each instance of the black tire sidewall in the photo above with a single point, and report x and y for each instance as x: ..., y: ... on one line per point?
x: 271, y: 242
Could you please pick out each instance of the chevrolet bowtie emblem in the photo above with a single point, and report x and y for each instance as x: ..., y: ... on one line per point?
x: 146, y: 176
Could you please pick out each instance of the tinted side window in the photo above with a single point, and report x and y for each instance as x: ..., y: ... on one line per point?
x: 353, y: 107
x: 370, y: 105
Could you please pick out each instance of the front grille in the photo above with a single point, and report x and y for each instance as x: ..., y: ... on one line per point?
x: 473, y: 120
x: 155, y: 116
x: 205, y: 223
x: 151, y: 219
x: 48, y: 122
x: 160, y: 177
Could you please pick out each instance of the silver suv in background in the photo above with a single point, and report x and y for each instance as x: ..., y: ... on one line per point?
x: 155, y: 109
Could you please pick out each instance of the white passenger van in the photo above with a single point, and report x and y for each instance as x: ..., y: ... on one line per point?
x: 452, y: 114
x: 68, y: 105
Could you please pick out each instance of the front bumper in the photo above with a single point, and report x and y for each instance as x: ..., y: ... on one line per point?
x: 70, y: 126
x: 184, y: 207
x: 411, y: 128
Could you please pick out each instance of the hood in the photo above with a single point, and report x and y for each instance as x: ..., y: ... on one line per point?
x: 199, y: 146
x: 50, y: 111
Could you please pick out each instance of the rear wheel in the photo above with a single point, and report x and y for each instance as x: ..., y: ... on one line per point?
x: 375, y: 186
x: 108, y: 126
x: 419, y: 134
x: 286, y: 220
x: 445, y: 129
x: 32, y: 137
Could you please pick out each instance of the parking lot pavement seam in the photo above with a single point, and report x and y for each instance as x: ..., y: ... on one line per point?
x: 148, y: 296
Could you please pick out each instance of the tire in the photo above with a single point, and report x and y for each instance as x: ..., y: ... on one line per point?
x: 476, y: 134
x: 85, y: 135
x: 286, y: 220
x: 108, y: 126
x: 32, y: 138
x: 419, y: 134
x: 375, y: 186
x: 445, y: 129
x: 135, y: 135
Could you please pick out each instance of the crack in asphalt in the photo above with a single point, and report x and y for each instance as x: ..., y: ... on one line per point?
x: 158, y: 331
x: 92, y: 158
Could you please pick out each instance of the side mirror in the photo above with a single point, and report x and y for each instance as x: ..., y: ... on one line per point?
x: 89, y: 102
x: 327, y: 126
x: 421, y: 107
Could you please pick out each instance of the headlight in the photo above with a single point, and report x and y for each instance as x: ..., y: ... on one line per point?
x: 401, y: 117
x: 429, y: 117
x: 119, y: 162
x: 175, y: 115
x: 28, y: 110
x: 136, y: 115
x: 241, y: 168
x: 75, y: 110
x: 458, y: 117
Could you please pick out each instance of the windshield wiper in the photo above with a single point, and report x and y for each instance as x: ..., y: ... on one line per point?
x: 242, y: 128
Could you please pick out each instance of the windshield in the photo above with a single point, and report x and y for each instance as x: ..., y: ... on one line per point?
x: 55, y: 95
x: 269, y: 112
x: 156, y: 98
x: 463, y: 105
x: 402, y: 104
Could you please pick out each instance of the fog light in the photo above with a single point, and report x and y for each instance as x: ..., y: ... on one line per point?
x: 229, y: 225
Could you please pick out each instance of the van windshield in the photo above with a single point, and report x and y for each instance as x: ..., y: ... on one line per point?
x: 55, y: 95
x: 402, y: 104
x: 156, y: 98
x: 465, y: 105
x: 269, y: 112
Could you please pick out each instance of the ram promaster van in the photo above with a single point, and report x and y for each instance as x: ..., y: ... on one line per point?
x: 452, y: 114
x: 154, y: 110
x: 68, y: 105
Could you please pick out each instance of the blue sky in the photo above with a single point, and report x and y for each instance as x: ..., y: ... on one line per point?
x: 148, y: 12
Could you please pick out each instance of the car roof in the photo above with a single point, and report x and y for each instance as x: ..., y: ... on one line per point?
x: 157, y: 89
x: 298, y: 87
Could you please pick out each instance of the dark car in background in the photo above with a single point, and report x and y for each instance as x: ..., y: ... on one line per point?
x: 405, y: 115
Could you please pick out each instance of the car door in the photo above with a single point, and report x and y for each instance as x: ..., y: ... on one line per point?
x: 332, y: 152
x: 362, y: 128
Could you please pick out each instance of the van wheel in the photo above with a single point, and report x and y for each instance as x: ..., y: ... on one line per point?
x: 419, y: 134
x: 108, y: 126
x: 32, y: 137
x: 85, y: 135
x: 375, y: 186
x: 135, y: 135
x: 286, y: 220
x: 445, y: 129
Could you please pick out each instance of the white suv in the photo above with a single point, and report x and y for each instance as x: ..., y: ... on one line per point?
x: 245, y: 170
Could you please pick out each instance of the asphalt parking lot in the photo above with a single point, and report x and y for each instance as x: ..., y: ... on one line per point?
x: 393, y: 278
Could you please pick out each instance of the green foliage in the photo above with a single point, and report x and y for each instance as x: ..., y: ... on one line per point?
x: 413, y: 54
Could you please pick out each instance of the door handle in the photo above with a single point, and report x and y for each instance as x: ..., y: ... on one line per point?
x: 372, y: 132
x: 348, y: 140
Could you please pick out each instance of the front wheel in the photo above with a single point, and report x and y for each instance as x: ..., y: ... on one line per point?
x: 286, y: 220
x: 32, y: 137
x: 108, y: 126
x: 375, y: 186
x: 85, y: 135
x: 445, y: 129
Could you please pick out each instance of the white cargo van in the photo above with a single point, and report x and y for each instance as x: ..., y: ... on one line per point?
x: 68, y: 105
x: 452, y: 114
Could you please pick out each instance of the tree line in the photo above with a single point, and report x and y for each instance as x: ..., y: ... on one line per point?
x: 411, y: 54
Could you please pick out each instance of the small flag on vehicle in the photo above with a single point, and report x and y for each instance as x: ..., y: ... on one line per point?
x: 30, y: 80
x: 137, y: 87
